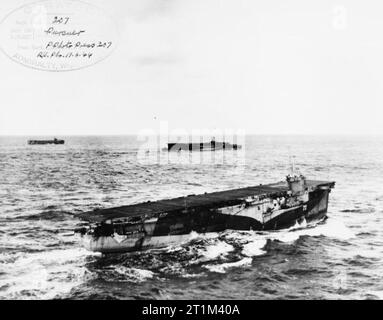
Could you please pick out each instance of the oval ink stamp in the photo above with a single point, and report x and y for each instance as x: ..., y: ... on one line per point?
x: 58, y: 35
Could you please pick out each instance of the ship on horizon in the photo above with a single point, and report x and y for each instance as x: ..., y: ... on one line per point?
x: 161, y: 223
x: 54, y: 141
x: 201, y: 146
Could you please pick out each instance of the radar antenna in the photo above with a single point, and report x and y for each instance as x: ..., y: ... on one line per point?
x: 292, y: 164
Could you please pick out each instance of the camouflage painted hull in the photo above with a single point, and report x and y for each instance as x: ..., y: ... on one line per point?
x: 272, y: 211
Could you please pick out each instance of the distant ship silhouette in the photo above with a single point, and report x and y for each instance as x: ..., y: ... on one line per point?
x: 54, y: 141
x: 202, y: 146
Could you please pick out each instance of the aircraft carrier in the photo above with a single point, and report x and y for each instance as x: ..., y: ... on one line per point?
x: 201, y: 146
x: 54, y: 141
x: 164, y: 222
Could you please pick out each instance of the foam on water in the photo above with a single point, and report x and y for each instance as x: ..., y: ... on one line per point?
x: 43, y: 274
x: 253, y: 243
x: 132, y: 274
x: 55, y: 257
x: 254, y: 248
x: 332, y: 228
x: 222, y: 268
x: 215, y: 250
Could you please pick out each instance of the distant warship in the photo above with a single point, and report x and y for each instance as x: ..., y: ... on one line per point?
x: 202, y: 146
x: 160, y: 223
x: 54, y: 141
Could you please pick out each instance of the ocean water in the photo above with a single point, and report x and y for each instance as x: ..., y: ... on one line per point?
x: 44, y: 187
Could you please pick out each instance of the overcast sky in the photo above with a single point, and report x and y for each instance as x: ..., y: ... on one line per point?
x: 277, y: 67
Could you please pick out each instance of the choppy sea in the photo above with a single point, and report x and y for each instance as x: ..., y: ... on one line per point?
x: 42, y: 188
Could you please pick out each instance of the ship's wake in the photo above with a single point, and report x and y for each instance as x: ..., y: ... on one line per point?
x: 210, y: 253
x: 45, y: 274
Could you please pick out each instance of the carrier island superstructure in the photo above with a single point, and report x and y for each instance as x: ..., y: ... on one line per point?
x: 161, y: 223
